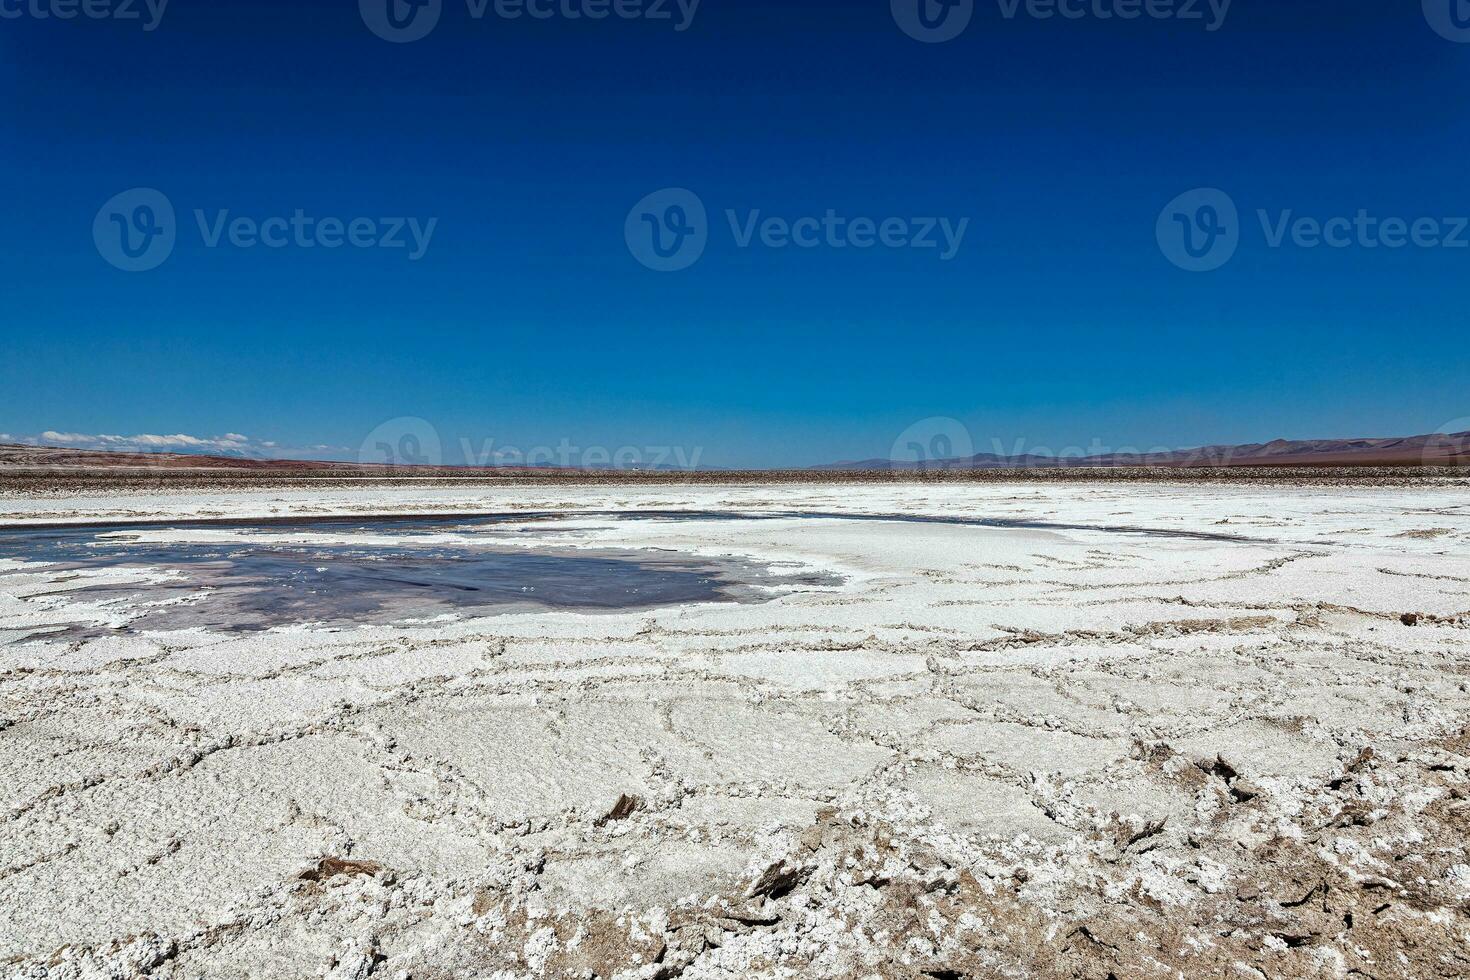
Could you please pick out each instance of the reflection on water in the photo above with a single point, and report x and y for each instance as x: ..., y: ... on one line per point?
x: 272, y: 579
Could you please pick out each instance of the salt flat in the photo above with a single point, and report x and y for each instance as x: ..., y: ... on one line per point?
x: 1122, y: 729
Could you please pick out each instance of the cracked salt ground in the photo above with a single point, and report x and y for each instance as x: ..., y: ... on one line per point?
x: 988, y: 751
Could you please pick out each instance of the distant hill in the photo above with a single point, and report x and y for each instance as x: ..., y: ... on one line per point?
x: 17, y: 457
x: 1438, y: 449
x: 1428, y: 450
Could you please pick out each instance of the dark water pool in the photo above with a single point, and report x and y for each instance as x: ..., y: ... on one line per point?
x: 269, y: 580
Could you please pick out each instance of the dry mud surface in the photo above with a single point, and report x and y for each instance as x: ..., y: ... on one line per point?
x: 1142, y: 730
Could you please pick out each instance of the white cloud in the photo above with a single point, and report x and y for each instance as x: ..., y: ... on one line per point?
x: 229, y: 444
x: 146, y: 441
x: 232, y: 443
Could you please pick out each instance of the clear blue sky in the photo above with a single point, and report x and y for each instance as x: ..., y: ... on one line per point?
x: 527, y: 321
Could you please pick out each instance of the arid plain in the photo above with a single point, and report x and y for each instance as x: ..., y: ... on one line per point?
x: 1086, y: 728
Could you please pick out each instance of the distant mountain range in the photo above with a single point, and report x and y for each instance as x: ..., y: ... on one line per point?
x: 1438, y: 449
x: 15, y: 457
x: 1429, y: 450
x: 12, y: 455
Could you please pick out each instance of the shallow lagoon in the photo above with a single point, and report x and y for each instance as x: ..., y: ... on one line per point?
x: 258, y: 575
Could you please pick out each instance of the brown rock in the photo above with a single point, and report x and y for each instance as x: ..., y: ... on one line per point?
x: 777, y: 880
x: 331, y: 867
x: 625, y: 807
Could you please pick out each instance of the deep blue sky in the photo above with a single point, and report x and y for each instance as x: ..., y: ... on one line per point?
x: 1058, y: 323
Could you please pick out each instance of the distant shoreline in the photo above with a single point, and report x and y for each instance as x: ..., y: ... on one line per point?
x: 63, y: 481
